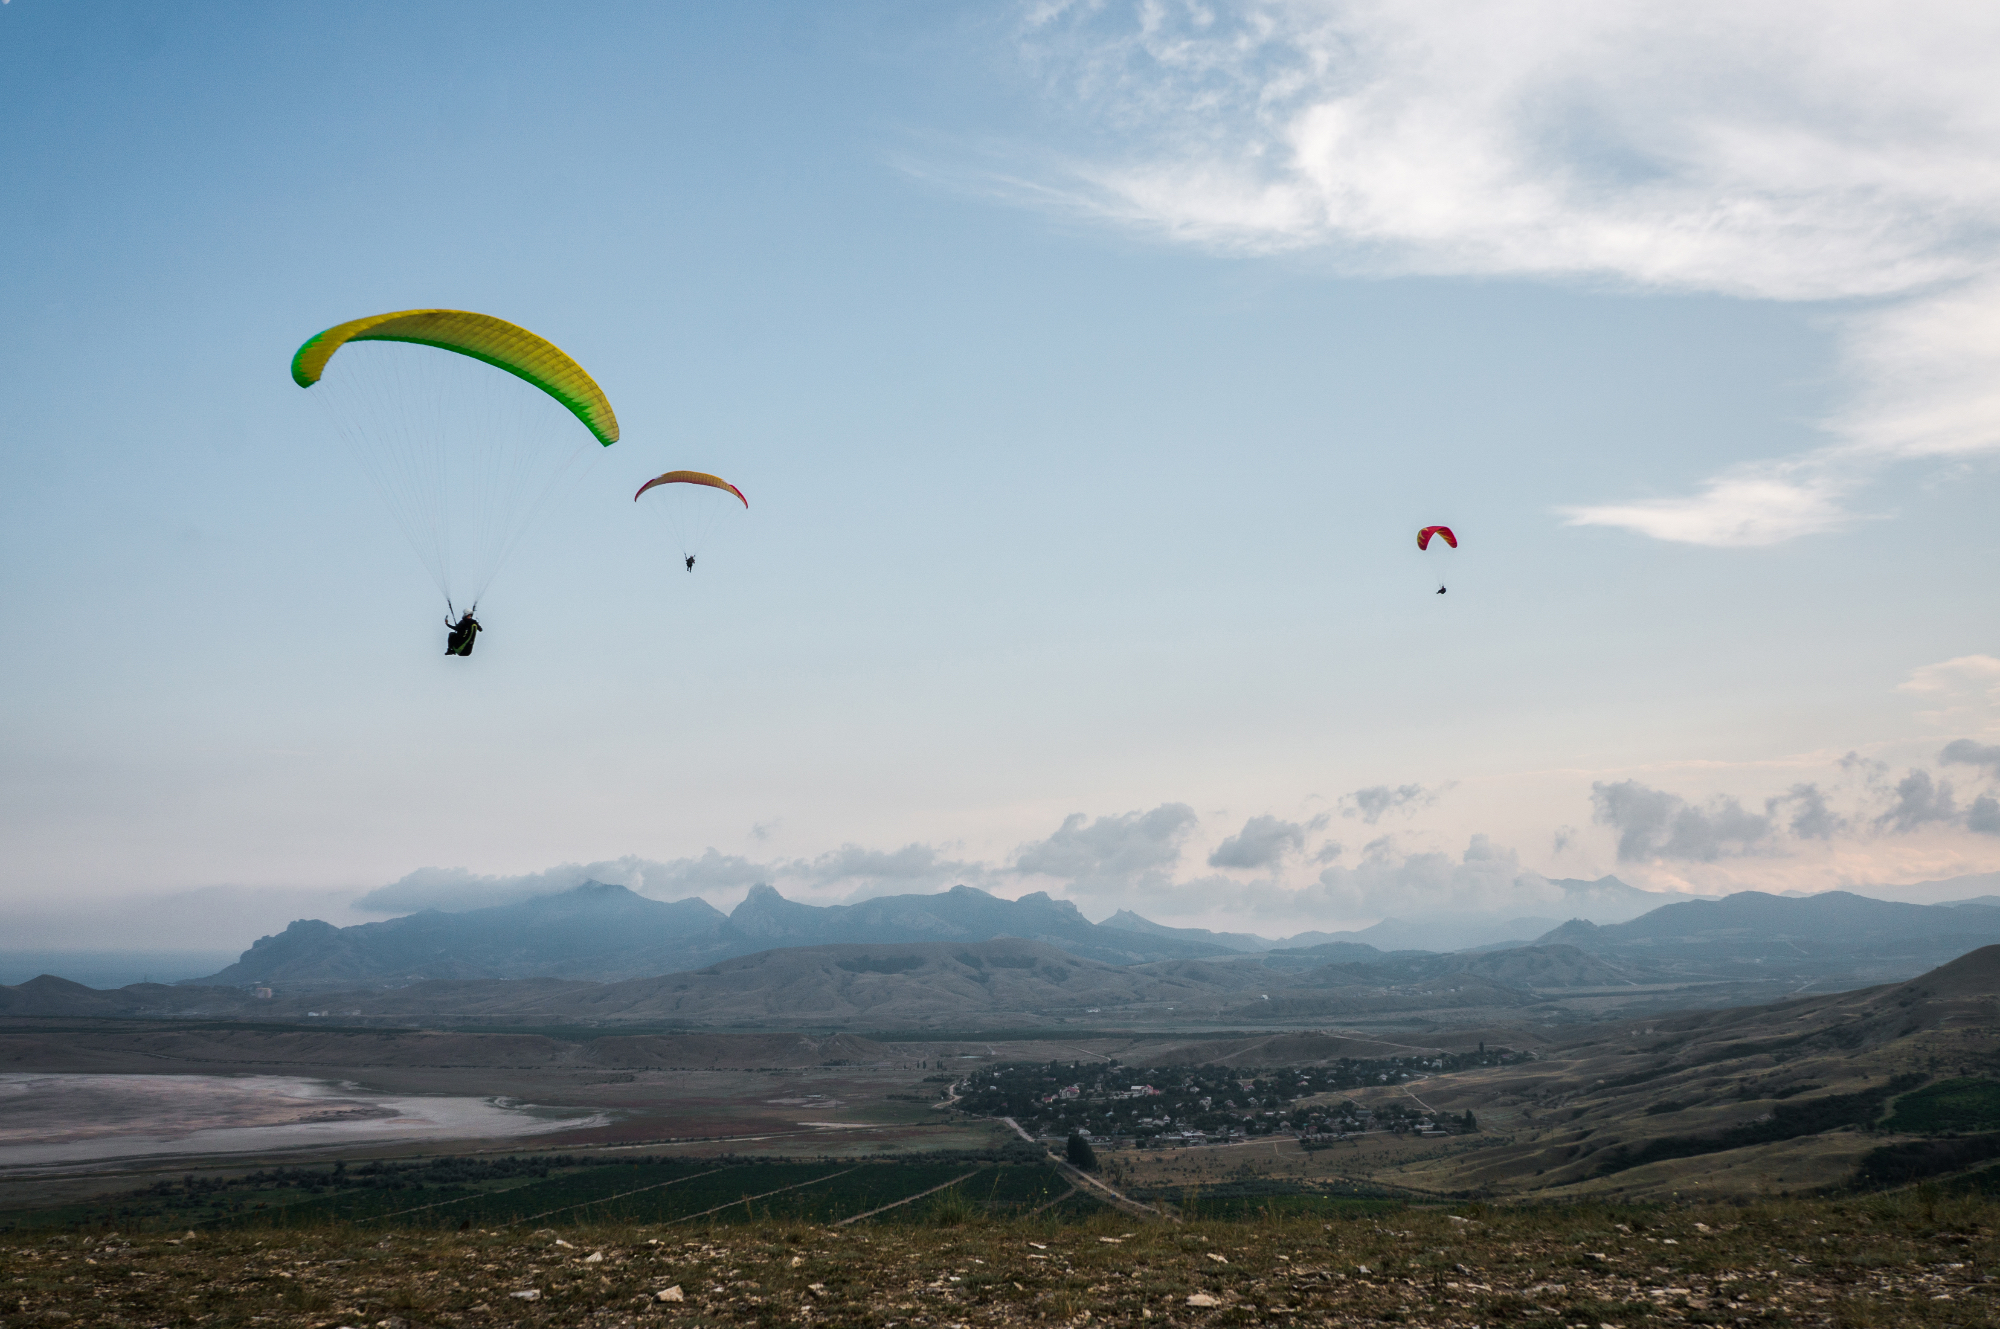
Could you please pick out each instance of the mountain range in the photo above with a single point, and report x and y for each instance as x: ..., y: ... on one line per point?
x: 1002, y: 982
x: 579, y: 954
x: 600, y: 954
x: 604, y: 933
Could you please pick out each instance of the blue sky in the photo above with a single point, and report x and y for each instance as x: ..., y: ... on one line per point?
x: 1089, y: 369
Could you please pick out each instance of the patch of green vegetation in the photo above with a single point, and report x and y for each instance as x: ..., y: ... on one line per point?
x: 1950, y: 1105
x: 1913, y: 1160
x: 1265, y: 1198
x: 576, y: 1033
x: 375, y: 1187
x: 1789, y: 1121
x: 566, y: 1190
x: 1053, y: 1034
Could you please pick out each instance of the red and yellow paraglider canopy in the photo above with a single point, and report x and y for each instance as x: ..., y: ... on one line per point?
x: 691, y: 478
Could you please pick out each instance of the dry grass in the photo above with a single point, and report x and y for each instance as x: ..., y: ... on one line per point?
x: 1916, y: 1258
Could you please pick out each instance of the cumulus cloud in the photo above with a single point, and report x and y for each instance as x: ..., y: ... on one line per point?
x: 1811, y: 816
x: 1965, y: 752
x: 459, y: 888
x: 1485, y: 879
x: 1652, y: 824
x: 1773, y: 151
x: 850, y: 871
x: 1376, y: 801
x: 1111, y: 852
x: 1262, y: 843
x: 1920, y: 801
x: 1865, y: 803
x: 1107, y: 855
x: 1983, y: 817
x: 912, y: 864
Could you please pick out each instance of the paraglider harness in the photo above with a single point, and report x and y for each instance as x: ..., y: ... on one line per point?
x: 463, y: 632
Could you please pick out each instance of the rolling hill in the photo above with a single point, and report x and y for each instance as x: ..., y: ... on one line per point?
x: 1744, y: 1101
x: 1831, y: 940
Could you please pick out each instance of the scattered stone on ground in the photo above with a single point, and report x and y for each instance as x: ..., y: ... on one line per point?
x: 1911, y: 1258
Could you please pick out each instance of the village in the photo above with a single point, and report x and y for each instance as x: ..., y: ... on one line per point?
x: 1156, y: 1107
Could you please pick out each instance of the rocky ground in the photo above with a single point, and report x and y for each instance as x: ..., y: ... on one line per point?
x: 1918, y: 1258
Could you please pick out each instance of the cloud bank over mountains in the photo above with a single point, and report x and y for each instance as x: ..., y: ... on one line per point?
x: 1784, y: 152
x: 1281, y: 876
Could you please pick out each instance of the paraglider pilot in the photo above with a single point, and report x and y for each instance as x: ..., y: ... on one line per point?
x: 690, y: 562
x: 462, y: 634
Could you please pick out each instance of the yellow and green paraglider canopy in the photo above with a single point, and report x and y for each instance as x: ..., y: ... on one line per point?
x: 499, y: 343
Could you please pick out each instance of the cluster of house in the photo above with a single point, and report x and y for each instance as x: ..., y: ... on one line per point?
x: 1316, y: 1131
x: 1362, y: 1120
x: 1076, y: 1091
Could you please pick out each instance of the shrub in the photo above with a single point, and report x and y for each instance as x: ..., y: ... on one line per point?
x: 1081, y: 1154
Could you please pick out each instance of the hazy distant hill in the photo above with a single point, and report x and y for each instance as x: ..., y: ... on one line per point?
x: 603, y: 933
x: 1605, y: 900
x: 1836, y: 938
x: 49, y: 996
x: 911, y: 984
x: 766, y: 918
x: 595, y: 931
x: 878, y: 986
x: 1302, y: 958
x: 1543, y: 968
x: 606, y: 933
x: 1236, y: 941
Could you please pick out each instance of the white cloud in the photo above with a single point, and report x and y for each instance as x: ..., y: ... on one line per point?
x: 1961, y: 693
x: 1111, y: 855
x: 458, y: 888
x: 1928, y: 368
x: 1920, y: 801
x: 1782, y: 151
x: 851, y: 871
x: 1485, y: 879
x: 1752, y: 505
x: 1376, y: 801
x: 1652, y: 823
x: 1965, y: 752
x: 1859, y: 823
x: 1811, y: 816
x: 1262, y: 843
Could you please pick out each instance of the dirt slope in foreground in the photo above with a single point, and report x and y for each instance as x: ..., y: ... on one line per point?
x: 1885, y: 1261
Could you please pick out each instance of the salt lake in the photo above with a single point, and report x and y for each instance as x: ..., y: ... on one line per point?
x: 71, y: 1118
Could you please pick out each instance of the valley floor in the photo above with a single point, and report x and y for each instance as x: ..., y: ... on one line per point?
x: 1914, y: 1258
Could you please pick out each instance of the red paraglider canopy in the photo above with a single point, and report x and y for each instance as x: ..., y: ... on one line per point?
x: 1424, y: 536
